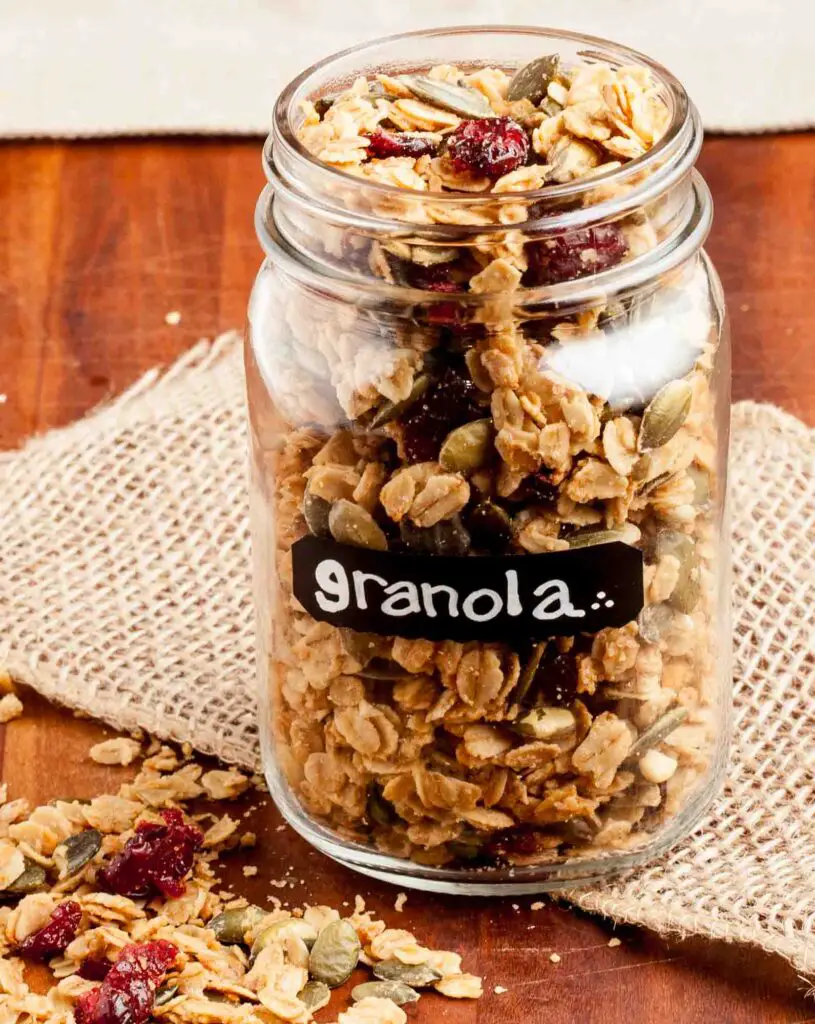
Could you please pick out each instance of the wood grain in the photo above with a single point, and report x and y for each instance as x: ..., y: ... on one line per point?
x: 98, y: 241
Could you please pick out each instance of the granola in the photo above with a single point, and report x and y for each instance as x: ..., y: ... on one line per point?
x: 467, y: 424
x: 197, y: 955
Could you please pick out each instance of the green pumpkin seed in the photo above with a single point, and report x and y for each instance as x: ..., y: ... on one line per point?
x: 688, y: 587
x: 383, y: 668
x: 396, y: 991
x: 544, y: 723
x: 490, y: 526
x: 290, y: 927
x: 654, y: 621
x: 316, y: 511
x: 665, y: 414
x: 467, y: 448
x: 361, y: 646
x: 315, y: 995
x: 590, y: 536
x: 76, y: 851
x: 379, y: 810
x: 657, y: 732
x: 393, y: 410
x: 164, y: 994
x: 33, y: 879
x: 532, y: 80
x: 528, y: 672
x: 456, y: 98
x: 449, y: 537
x: 414, y: 975
x: 351, y: 524
x: 335, y: 954
x: 231, y: 926
x: 701, y: 486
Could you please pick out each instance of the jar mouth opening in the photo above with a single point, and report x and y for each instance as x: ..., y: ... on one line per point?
x: 627, y: 277
x: 359, y: 60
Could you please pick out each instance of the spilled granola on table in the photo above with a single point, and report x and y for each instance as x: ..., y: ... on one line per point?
x: 473, y: 428
x: 118, y: 896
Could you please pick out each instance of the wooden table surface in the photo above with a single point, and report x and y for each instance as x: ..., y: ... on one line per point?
x: 98, y: 241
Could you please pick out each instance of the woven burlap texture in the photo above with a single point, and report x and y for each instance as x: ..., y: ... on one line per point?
x: 126, y: 593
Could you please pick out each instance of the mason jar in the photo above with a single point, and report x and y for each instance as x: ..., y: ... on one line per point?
x: 489, y: 428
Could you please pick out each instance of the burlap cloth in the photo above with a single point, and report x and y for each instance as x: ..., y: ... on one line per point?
x: 125, y: 592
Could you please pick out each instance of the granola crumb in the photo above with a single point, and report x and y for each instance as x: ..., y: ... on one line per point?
x: 249, y: 871
x: 538, y: 905
x: 10, y: 707
x: 119, y: 751
x: 248, y: 840
x: 401, y: 900
x: 173, y: 318
x: 499, y: 990
x: 6, y: 681
x: 613, y: 943
x: 554, y: 958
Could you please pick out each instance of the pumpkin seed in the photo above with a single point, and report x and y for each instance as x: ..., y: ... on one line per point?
x: 490, y: 526
x: 361, y: 646
x: 289, y: 928
x: 383, y: 668
x: 591, y: 535
x: 657, y: 732
x: 164, y: 994
x: 532, y: 80
x: 315, y: 512
x: 415, y: 975
x: 654, y: 621
x: 528, y: 672
x: 351, y: 524
x: 688, y: 587
x: 449, y: 537
x: 393, y: 410
x: 379, y: 810
x: 33, y: 879
x: 315, y: 995
x: 335, y: 954
x: 665, y: 414
x: 231, y: 926
x: 543, y: 723
x: 396, y: 991
x: 457, y: 98
x: 701, y: 486
x: 76, y: 851
x: 467, y: 448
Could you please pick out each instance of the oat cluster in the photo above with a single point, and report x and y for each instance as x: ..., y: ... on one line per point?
x: 201, y: 956
x: 496, y: 431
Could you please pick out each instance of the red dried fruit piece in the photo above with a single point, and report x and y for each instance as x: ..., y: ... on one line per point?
x: 538, y: 487
x: 95, y: 968
x: 53, y: 937
x: 449, y: 402
x: 575, y: 254
x: 156, y: 858
x: 492, y: 146
x: 431, y: 279
x: 517, y: 842
x: 384, y: 144
x: 127, y: 994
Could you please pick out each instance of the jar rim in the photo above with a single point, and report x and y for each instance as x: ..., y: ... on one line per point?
x: 681, y: 139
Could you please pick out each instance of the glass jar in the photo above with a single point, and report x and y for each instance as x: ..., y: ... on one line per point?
x: 488, y: 504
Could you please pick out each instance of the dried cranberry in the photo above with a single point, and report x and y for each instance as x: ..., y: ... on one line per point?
x: 523, y: 841
x: 156, y: 858
x: 95, y: 968
x: 127, y: 994
x: 449, y: 402
x: 58, y: 933
x: 431, y: 279
x: 384, y: 144
x: 492, y: 146
x: 538, y: 487
x: 556, y: 678
x: 574, y: 254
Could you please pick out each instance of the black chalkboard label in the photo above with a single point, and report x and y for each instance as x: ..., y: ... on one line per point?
x: 512, y: 598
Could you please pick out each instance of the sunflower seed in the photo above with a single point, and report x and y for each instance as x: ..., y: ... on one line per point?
x: 351, y: 524
x: 532, y: 80
x: 335, y: 954
x: 449, y: 537
x: 231, y: 926
x: 467, y: 448
x: 545, y: 723
x: 457, y: 98
x: 315, y: 995
x: 396, y: 991
x: 654, y: 621
x: 415, y: 975
x: 289, y: 928
x: 393, y: 410
x: 33, y: 879
x: 164, y: 994
x: 591, y: 535
x: 76, y: 851
x: 315, y: 512
x: 665, y: 414
x: 656, y: 733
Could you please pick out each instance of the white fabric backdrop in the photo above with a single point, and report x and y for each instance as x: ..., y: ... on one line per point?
x: 103, y: 67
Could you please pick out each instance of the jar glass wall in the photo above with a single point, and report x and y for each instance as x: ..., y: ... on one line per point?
x: 489, y: 435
